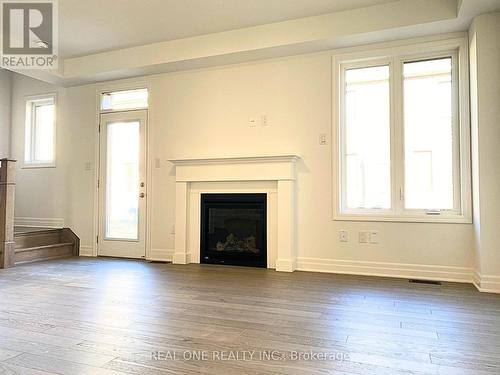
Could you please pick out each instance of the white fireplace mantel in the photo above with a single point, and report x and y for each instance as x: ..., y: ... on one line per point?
x: 279, y: 168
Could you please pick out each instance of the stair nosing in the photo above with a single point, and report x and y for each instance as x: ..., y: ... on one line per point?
x: 35, y: 232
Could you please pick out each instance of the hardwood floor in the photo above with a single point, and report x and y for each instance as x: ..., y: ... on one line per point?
x: 108, y: 316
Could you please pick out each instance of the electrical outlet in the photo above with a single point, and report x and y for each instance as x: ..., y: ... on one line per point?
x: 374, y: 236
x: 343, y: 236
x: 322, y: 139
x: 363, y: 236
x: 263, y: 120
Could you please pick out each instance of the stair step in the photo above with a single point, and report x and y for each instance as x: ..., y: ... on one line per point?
x: 44, y: 252
x: 44, y: 247
x: 34, y: 239
x: 22, y: 231
x: 36, y: 244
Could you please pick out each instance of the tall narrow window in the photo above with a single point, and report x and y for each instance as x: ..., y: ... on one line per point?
x: 429, y: 132
x: 40, y: 131
x: 367, y: 136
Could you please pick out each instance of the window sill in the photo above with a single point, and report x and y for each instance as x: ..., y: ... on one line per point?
x: 446, y: 219
x: 37, y: 165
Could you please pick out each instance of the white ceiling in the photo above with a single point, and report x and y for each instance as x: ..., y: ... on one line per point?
x: 103, y: 40
x: 91, y: 26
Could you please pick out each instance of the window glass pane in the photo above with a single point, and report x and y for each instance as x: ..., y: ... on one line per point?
x: 120, y: 100
x: 40, y: 130
x: 122, y: 180
x: 428, y: 129
x: 44, y: 132
x: 367, y: 150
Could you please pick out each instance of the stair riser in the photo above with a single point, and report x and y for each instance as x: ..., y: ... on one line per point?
x: 33, y: 240
x: 44, y: 254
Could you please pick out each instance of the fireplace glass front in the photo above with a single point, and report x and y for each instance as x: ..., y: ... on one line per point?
x: 233, y: 229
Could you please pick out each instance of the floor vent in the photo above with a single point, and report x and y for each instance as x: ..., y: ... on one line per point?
x: 430, y: 282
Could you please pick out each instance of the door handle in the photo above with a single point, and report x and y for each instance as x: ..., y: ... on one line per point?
x: 142, y: 195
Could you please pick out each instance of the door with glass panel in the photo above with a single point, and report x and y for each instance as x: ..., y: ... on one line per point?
x: 122, y: 184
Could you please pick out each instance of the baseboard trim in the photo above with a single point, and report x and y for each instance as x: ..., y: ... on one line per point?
x: 285, y: 265
x: 181, y: 258
x: 486, y: 283
x: 397, y: 270
x: 39, y: 222
x: 160, y: 255
x: 86, y: 251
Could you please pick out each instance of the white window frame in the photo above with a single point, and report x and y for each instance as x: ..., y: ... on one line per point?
x: 120, y: 89
x: 394, y: 55
x: 30, y: 133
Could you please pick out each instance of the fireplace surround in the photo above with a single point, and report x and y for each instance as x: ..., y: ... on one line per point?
x: 273, y: 175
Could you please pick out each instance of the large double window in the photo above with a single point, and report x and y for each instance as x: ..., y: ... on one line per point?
x: 403, y: 137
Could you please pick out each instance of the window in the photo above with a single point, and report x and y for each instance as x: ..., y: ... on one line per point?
x: 124, y: 100
x: 430, y: 150
x: 402, y: 137
x: 40, y: 132
x: 367, y: 154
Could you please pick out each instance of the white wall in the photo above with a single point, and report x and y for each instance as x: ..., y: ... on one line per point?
x: 485, y: 126
x: 5, y: 109
x: 205, y: 114
x: 64, y: 193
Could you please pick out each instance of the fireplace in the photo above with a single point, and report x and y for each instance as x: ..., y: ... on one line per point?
x: 234, y: 229
x: 273, y: 175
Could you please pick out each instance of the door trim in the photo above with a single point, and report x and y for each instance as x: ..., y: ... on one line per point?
x: 97, y: 199
x: 117, y: 86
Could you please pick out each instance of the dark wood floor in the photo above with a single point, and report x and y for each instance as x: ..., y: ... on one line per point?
x: 107, y: 316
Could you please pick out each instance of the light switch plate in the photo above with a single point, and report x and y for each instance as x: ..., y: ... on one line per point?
x: 374, y: 236
x: 363, y: 236
x: 263, y: 120
x: 343, y: 236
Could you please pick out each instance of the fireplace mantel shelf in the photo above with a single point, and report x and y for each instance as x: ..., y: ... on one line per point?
x: 246, y: 168
x: 237, y: 159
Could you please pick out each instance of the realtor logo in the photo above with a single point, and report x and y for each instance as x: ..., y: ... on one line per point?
x: 29, y: 34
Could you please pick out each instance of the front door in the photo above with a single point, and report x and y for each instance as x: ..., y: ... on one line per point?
x: 122, y: 184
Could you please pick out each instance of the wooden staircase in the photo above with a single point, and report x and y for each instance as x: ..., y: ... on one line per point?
x: 37, y: 244
x: 22, y: 244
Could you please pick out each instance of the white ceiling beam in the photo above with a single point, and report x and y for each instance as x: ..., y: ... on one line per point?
x: 303, y: 30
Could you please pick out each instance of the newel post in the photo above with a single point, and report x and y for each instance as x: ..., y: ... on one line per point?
x: 7, y: 188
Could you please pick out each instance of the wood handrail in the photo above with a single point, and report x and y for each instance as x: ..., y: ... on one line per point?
x: 7, y: 191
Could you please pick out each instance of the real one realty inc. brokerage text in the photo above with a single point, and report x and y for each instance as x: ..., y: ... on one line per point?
x: 246, y: 355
